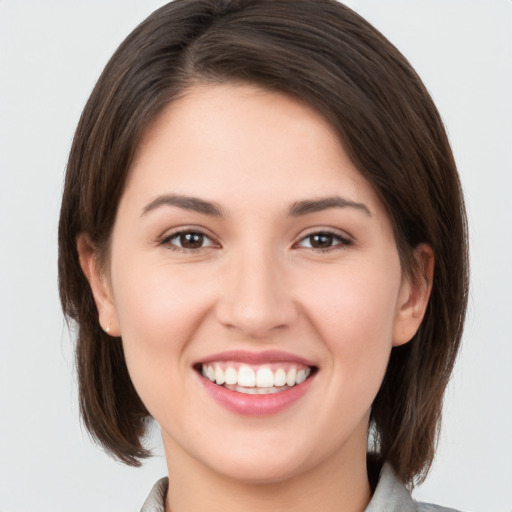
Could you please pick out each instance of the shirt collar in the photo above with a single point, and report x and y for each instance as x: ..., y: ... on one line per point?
x: 390, y: 495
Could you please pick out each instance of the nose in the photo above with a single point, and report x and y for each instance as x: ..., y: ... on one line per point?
x: 255, y: 298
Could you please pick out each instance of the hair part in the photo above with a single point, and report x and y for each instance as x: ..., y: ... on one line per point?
x: 325, y: 54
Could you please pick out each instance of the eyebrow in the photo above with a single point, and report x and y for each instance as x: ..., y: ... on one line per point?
x: 317, y: 205
x: 186, y: 203
x: 297, y: 209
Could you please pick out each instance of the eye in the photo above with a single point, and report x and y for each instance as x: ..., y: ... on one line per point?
x: 323, y: 240
x: 188, y: 240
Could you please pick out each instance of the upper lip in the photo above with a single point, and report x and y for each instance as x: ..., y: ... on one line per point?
x: 256, y: 358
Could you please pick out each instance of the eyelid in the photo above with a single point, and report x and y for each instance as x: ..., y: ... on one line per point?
x: 166, y: 238
x: 344, y: 238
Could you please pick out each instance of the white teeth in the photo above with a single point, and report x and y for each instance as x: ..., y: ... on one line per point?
x: 231, y: 375
x: 262, y: 381
x: 280, y: 377
x: 257, y: 391
x: 302, y: 375
x: 250, y: 391
x: 219, y: 375
x: 210, y: 373
x: 290, y: 377
x: 265, y: 378
x: 246, y: 377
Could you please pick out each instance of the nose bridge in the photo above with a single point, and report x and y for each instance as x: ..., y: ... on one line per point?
x: 255, y: 298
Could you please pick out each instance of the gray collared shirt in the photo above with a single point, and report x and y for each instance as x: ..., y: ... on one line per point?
x: 390, y: 496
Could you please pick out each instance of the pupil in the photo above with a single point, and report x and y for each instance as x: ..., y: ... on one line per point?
x: 321, y: 240
x: 191, y: 240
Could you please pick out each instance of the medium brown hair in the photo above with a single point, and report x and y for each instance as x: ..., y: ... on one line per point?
x: 327, y: 55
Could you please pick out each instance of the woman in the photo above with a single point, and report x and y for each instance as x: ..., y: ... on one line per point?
x: 263, y: 243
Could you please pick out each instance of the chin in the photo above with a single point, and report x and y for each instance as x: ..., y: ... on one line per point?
x: 265, y: 457
x: 260, y: 470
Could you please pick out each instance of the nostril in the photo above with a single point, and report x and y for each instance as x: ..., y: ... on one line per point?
x: 255, y: 301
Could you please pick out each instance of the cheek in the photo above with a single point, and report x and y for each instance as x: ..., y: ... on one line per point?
x: 158, y: 312
x: 354, y: 311
x: 156, y: 302
x: 356, y: 299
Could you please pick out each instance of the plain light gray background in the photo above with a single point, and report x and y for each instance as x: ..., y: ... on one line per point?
x: 51, y: 53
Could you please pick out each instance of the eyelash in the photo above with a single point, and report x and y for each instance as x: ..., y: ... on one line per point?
x: 335, y: 237
x: 167, y: 241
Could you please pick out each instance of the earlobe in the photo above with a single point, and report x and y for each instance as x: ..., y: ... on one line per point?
x: 414, y: 296
x: 99, y: 283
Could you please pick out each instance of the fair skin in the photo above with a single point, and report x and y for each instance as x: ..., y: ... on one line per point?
x: 284, y: 247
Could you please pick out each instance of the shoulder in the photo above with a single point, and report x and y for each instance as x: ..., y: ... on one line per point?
x: 155, y: 502
x: 428, y: 507
x: 391, y: 495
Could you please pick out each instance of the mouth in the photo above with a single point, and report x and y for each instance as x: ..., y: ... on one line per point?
x: 252, y: 379
x: 256, y: 384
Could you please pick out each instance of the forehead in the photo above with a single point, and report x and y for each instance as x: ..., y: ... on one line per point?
x: 239, y: 141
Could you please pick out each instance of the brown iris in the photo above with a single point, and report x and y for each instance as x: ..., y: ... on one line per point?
x: 321, y: 240
x: 191, y: 240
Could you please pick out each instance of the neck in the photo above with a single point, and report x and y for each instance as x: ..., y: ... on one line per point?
x: 339, y: 484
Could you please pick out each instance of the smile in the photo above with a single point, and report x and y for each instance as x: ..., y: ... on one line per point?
x: 256, y: 379
x: 256, y: 384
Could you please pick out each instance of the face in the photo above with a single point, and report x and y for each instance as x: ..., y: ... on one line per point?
x: 256, y: 284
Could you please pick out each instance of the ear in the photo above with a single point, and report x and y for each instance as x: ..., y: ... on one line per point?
x: 414, y: 296
x: 99, y: 283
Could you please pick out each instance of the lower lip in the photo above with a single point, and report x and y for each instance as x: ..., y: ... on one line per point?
x: 256, y: 405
